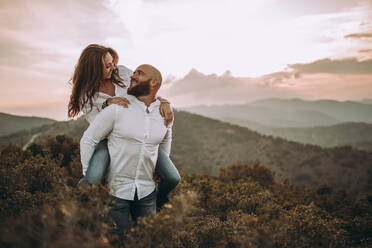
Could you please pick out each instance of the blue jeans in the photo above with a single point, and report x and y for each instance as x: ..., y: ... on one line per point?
x: 166, y: 170
x: 120, y: 210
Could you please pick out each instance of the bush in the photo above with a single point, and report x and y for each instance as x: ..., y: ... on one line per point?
x: 243, y: 207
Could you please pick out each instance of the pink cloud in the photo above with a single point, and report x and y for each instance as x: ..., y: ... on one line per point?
x: 344, y: 79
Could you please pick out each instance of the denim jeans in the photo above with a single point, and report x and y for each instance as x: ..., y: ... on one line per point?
x: 169, y: 177
x: 98, y: 164
x: 120, y: 210
x: 166, y: 170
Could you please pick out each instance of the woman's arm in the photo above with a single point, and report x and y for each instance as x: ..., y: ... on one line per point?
x: 90, y: 112
x: 99, y: 103
x: 166, y: 111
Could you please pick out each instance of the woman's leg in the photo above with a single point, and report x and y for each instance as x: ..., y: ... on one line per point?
x: 169, y: 177
x: 98, y: 164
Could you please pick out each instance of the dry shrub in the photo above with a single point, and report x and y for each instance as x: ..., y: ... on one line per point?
x: 243, y: 207
x: 258, y: 173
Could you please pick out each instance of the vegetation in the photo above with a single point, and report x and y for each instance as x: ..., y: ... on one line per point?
x: 204, y: 145
x: 322, y: 123
x: 12, y: 123
x: 242, y: 207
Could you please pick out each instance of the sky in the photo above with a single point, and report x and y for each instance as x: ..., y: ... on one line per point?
x: 209, y: 51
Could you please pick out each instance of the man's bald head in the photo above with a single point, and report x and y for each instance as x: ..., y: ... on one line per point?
x: 146, y: 80
x: 153, y: 72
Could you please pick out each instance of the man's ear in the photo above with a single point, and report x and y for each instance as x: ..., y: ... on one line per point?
x: 154, y: 83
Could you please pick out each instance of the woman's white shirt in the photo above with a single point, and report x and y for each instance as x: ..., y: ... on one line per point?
x: 90, y: 112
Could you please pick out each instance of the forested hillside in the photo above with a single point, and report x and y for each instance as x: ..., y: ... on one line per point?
x: 244, y: 206
x: 289, y: 112
x: 205, y: 145
x: 355, y: 134
x: 12, y: 123
x: 325, y: 123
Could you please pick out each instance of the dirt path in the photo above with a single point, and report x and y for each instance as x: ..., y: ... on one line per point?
x: 30, y: 141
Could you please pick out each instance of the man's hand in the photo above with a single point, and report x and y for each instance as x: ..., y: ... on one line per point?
x: 119, y: 101
x: 166, y: 111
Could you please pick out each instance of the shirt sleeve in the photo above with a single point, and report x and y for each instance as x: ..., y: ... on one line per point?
x: 101, y: 126
x: 91, y: 113
x: 125, y: 73
x: 166, y: 143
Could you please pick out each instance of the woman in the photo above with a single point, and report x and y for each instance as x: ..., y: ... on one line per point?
x: 96, y: 83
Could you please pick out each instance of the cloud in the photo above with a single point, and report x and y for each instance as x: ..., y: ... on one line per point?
x: 343, y: 66
x: 317, y: 6
x: 359, y: 35
x: 332, y: 86
x: 154, y: 1
x: 197, y: 88
x: 365, y: 51
x: 39, y: 31
x: 21, y: 54
x: 56, y: 110
x: 345, y: 79
x: 40, y: 42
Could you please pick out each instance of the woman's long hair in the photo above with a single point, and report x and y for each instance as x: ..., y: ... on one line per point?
x: 88, y: 75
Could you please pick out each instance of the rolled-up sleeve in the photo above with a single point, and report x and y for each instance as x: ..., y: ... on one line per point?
x: 98, y: 129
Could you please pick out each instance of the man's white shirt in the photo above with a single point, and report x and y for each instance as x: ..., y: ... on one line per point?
x: 134, y: 135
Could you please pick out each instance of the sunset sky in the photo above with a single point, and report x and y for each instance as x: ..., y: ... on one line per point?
x: 209, y: 51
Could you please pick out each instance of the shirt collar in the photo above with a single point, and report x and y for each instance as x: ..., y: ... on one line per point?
x: 152, y: 106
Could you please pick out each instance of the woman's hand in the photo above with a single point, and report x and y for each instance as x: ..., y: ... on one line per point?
x: 119, y: 101
x: 156, y: 178
x: 166, y: 111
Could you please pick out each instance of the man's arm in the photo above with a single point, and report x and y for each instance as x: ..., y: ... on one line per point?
x: 166, y: 143
x: 97, y: 131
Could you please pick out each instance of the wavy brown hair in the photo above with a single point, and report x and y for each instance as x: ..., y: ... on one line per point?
x: 88, y: 75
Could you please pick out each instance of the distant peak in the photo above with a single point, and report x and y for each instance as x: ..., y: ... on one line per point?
x: 194, y: 73
x: 227, y: 73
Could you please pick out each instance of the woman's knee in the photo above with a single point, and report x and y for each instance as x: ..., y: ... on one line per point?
x: 173, y: 180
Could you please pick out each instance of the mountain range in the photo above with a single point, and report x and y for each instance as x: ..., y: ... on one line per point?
x: 12, y: 123
x: 325, y: 123
x: 205, y: 145
x: 290, y: 112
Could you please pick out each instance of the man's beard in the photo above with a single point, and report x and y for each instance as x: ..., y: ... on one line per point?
x: 141, y: 89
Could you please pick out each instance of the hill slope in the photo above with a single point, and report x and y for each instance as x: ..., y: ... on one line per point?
x: 243, y: 207
x: 212, y: 144
x: 12, y: 123
x: 347, y: 111
x: 355, y: 134
x: 289, y: 113
x: 350, y: 133
x: 204, y: 145
x: 324, y: 123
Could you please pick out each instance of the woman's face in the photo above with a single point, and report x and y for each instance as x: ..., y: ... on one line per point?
x: 108, y: 66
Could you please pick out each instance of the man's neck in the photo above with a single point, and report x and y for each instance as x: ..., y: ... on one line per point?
x: 147, y: 99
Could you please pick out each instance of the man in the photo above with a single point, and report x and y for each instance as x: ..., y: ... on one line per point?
x: 134, y: 134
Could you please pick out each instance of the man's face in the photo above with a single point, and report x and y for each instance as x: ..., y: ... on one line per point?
x: 140, y: 82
